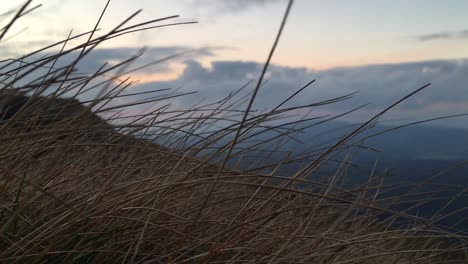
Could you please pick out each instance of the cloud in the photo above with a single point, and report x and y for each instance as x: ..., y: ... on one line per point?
x: 98, y: 57
x: 229, y: 6
x: 150, y: 54
x: 462, y: 34
x: 379, y: 85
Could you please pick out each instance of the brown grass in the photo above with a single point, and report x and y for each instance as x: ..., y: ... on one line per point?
x: 79, y: 188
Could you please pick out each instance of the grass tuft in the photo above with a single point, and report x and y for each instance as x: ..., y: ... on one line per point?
x: 90, y: 181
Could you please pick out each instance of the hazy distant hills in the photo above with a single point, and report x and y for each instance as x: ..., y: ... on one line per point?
x: 411, y: 143
x: 419, y: 142
x: 436, y: 157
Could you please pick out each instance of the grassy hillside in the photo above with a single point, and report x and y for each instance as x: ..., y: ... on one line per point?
x: 86, y: 182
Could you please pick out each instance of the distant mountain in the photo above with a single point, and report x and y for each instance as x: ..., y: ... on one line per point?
x: 412, y: 143
x: 429, y: 162
x: 419, y: 142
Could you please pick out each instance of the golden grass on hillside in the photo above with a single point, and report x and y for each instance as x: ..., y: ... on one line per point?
x: 79, y: 188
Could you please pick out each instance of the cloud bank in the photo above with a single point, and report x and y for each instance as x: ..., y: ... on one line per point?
x: 378, y: 85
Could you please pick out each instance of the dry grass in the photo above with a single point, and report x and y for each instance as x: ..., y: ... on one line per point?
x: 75, y: 188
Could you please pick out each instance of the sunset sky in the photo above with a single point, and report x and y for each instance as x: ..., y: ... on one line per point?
x: 350, y: 45
x: 320, y: 34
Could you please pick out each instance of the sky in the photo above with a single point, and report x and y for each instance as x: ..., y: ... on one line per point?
x: 383, y: 49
